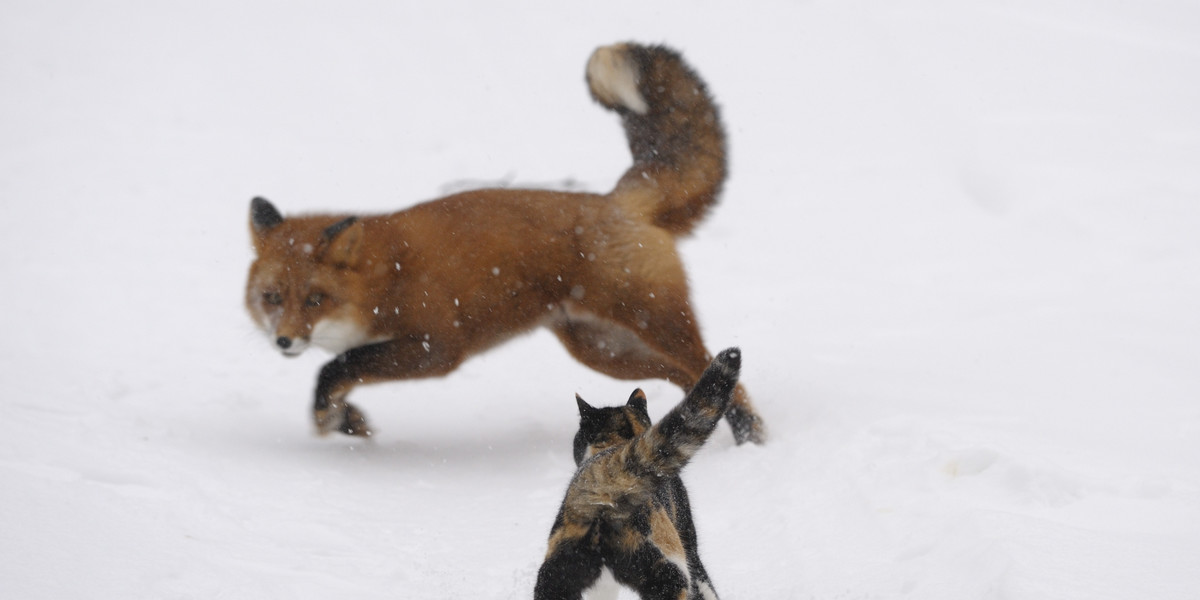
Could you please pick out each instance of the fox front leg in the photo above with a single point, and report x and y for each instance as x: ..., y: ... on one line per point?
x: 331, y: 412
x: 385, y: 361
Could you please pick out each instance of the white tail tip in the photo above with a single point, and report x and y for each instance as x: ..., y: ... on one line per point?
x: 614, y: 78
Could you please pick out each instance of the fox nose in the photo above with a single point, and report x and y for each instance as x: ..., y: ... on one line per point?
x: 283, y: 342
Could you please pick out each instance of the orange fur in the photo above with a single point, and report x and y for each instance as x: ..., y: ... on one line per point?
x: 416, y: 292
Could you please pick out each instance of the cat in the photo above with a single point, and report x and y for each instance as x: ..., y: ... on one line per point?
x: 626, y: 510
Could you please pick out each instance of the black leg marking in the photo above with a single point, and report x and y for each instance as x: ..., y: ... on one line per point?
x: 567, y: 572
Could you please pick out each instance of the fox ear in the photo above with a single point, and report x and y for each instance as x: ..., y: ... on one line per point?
x: 637, y: 400
x: 263, y: 215
x: 343, y: 241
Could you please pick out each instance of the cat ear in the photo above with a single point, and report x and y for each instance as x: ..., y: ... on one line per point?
x: 637, y: 400
x: 585, y: 410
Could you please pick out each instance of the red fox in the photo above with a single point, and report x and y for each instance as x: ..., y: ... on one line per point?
x: 415, y: 293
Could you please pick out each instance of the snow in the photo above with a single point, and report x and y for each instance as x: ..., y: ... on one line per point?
x: 958, y: 249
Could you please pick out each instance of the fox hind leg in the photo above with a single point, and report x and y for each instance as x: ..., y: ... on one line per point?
x: 667, y: 328
x: 615, y: 350
x: 747, y: 425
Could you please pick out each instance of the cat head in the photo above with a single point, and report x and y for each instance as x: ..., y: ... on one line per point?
x: 603, y: 428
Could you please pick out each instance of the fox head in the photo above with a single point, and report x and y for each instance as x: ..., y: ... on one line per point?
x: 303, y: 283
x: 603, y: 428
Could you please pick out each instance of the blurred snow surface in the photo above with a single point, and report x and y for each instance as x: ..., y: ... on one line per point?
x: 959, y: 250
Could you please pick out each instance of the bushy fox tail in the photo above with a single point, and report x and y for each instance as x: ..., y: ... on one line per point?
x: 664, y: 449
x: 674, y: 131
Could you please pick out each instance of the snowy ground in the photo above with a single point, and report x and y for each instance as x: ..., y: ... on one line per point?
x: 959, y: 250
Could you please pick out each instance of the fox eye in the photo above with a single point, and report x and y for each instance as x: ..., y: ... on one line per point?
x: 314, y: 300
x: 273, y: 298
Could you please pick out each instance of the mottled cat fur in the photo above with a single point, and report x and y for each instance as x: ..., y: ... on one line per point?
x: 626, y: 509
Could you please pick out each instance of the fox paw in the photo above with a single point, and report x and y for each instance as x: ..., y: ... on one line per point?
x: 355, y: 423
x: 747, y: 426
x: 342, y: 417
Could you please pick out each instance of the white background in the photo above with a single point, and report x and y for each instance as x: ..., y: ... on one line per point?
x: 958, y: 248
